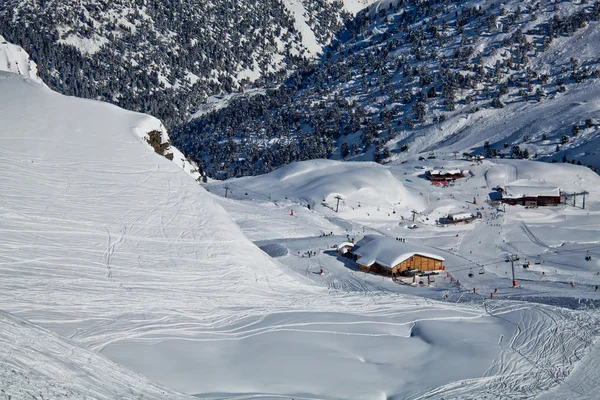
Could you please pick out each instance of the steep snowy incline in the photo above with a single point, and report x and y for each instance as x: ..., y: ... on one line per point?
x: 86, y: 201
x: 16, y: 60
x: 40, y: 364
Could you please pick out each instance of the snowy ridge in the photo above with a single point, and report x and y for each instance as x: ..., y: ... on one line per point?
x: 16, y: 60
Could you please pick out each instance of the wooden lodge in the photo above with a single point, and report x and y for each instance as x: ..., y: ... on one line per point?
x: 436, y: 175
x: 382, y: 255
x: 416, y: 262
x: 532, y: 201
x: 530, y: 193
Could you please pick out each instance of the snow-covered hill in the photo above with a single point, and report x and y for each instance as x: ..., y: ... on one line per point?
x: 116, y: 249
x: 320, y: 181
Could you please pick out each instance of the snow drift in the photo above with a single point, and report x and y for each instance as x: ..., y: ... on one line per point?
x: 37, y: 362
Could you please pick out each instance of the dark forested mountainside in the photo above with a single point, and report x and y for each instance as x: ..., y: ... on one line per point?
x: 161, y: 57
x: 404, y: 70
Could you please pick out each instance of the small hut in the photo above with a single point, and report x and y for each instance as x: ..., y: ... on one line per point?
x: 345, y: 249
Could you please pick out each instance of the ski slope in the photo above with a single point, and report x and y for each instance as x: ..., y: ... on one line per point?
x: 110, y: 250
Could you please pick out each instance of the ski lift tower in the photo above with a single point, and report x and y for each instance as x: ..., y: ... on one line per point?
x: 414, y: 213
x: 513, y: 258
x: 574, y: 197
x: 337, y: 206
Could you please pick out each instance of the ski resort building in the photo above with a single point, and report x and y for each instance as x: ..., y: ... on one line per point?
x: 383, y: 255
x: 457, y: 217
x: 531, y: 193
x: 441, y: 175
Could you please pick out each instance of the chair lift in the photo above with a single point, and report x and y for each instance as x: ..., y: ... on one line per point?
x: 588, y: 256
x: 538, y: 261
x: 481, y: 271
x: 471, y: 273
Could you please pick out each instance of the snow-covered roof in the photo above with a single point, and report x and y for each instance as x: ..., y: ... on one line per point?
x: 530, y: 188
x: 460, y: 215
x: 446, y: 172
x: 387, y: 251
x: 345, y: 244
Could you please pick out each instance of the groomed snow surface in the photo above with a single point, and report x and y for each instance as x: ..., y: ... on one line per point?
x: 111, y: 251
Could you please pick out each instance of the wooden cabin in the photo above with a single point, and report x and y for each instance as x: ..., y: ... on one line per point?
x: 416, y: 262
x: 445, y: 175
x: 345, y: 249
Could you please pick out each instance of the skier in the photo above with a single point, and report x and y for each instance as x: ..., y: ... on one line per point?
x: 321, y: 271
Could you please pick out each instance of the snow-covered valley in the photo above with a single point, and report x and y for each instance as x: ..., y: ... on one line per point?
x: 123, y: 255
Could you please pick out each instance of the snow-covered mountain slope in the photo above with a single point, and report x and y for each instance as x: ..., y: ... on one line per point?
x: 16, y: 60
x: 166, y: 58
x: 407, y: 78
x: 354, y: 6
x: 115, y: 248
x: 37, y: 363
x: 317, y: 182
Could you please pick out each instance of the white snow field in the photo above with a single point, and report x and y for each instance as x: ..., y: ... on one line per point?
x: 121, y: 254
x: 38, y: 364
